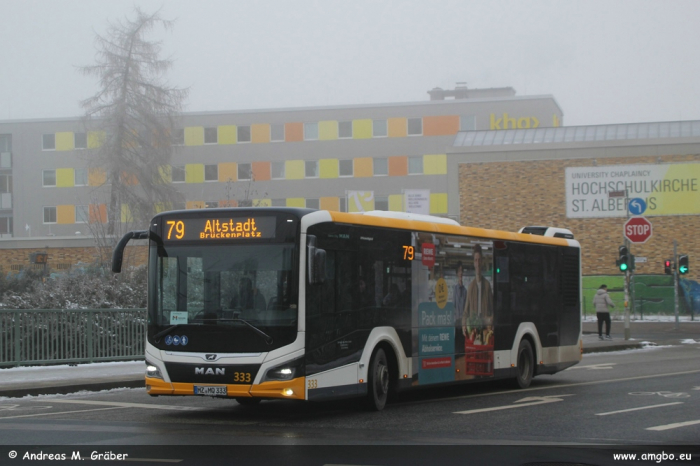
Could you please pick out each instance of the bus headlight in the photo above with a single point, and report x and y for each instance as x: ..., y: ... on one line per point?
x: 287, y: 371
x: 153, y: 371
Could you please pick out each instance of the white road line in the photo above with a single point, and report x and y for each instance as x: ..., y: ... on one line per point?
x: 534, y: 400
x: 128, y: 405
x: 637, y: 409
x: 59, y: 412
x: 675, y: 425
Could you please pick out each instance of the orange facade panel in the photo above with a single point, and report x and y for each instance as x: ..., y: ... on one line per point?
x: 97, y: 213
x: 445, y: 125
x: 398, y: 165
x: 398, y: 127
x: 261, y: 171
x: 260, y: 133
x: 294, y: 132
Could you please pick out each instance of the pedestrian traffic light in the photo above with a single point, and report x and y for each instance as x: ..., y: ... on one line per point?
x: 623, y: 260
x: 683, y: 264
x: 668, y: 267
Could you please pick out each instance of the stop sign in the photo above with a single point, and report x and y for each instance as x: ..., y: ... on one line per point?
x: 637, y: 229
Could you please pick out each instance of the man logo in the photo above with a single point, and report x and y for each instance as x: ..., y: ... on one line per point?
x: 210, y: 357
x: 209, y: 371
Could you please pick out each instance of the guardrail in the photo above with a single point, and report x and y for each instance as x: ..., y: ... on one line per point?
x: 52, y: 336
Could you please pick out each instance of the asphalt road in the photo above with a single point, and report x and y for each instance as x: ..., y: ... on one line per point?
x: 622, y: 401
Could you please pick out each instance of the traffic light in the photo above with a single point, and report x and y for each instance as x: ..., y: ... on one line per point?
x: 683, y: 264
x: 668, y: 267
x: 623, y: 261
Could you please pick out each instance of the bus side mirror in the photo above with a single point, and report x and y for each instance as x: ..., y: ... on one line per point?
x: 118, y: 254
x: 315, y: 262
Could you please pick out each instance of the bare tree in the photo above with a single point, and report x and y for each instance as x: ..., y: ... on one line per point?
x: 134, y: 114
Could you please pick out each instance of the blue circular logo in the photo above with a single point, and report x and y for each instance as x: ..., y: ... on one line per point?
x: 176, y: 340
x: 184, y: 340
x: 168, y: 340
x: 637, y: 206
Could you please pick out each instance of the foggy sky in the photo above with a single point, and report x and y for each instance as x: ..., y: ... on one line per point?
x: 604, y: 62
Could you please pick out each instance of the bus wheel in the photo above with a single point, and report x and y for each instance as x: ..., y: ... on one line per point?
x: 526, y: 365
x: 248, y: 401
x: 378, y: 381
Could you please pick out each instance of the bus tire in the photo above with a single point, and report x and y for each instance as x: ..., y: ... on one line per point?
x: 378, y: 381
x: 248, y: 401
x: 525, y: 367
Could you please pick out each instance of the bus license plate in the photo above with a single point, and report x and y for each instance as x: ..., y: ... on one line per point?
x: 210, y: 391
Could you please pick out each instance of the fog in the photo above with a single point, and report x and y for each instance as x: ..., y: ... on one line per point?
x: 604, y: 62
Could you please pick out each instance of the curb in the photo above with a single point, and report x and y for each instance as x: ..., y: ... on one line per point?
x: 93, y: 386
x: 611, y: 348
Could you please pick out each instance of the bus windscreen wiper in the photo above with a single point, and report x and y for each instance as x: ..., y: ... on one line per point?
x: 268, y: 338
x: 166, y: 331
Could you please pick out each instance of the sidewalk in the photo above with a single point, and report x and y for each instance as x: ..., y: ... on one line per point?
x: 49, y: 380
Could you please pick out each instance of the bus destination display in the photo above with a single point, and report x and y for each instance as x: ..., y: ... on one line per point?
x: 188, y: 229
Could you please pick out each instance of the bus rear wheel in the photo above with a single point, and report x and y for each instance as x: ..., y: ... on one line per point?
x: 378, y: 381
x: 525, y: 365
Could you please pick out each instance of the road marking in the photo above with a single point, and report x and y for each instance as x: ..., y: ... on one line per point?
x: 637, y: 409
x: 675, y: 425
x: 593, y: 367
x: 59, y: 412
x: 665, y: 394
x: 128, y: 405
x: 529, y: 401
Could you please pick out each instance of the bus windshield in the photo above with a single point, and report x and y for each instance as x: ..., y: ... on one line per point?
x: 216, y: 290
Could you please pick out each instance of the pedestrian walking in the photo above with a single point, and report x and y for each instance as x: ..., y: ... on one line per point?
x: 602, y: 303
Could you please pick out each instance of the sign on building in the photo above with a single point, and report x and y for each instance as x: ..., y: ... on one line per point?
x: 417, y: 201
x: 666, y: 189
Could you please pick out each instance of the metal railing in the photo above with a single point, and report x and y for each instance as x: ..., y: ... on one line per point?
x: 51, y: 336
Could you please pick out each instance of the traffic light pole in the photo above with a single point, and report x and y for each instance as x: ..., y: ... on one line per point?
x: 675, y: 281
x: 627, y: 275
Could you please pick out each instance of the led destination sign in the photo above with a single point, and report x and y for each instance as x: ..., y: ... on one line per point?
x: 188, y: 229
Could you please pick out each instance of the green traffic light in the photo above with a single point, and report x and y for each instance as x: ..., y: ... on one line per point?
x: 623, y: 267
x: 683, y: 269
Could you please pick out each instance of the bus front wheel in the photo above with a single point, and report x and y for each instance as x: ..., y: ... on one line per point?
x: 378, y: 381
x: 526, y: 365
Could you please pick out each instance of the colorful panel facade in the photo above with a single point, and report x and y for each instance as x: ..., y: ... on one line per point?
x: 195, y: 205
x: 65, y: 178
x: 435, y: 164
x: 438, y: 203
x: 296, y: 202
x: 294, y: 169
x: 398, y: 127
x: 398, y: 165
x: 329, y: 203
x: 444, y: 125
x: 194, y: 136
x: 260, y: 133
x: 294, y: 132
x: 261, y: 171
x: 95, y: 139
x: 228, y: 171
x: 396, y: 202
x: 65, y: 141
x: 362, y: 129
x: 363, y: 167
x: 97, y: 213
x: 65, y: 214
x: 227, y: 134
x: 96, y: 176
x: 328, y: 168
x: 327, y: 130
x: 194, y: 173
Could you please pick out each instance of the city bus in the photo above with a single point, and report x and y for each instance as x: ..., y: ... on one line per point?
x: 289, y: 303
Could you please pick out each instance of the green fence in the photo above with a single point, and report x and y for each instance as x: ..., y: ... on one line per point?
x: 649, y: 295
x: 52, y: 336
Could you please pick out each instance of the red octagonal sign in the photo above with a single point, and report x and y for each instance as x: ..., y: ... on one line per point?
x: 637, y: 229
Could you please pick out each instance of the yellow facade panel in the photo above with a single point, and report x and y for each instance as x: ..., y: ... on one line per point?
x: 260, y: 133
x: 166, y: 174
x: 95, y: 139
x: 65, y: 141
x: 262, y: 202
x: 435, y: 164
x: 195, y: 205
x: 228, y: 171
x: 126, y: 214
x: 438, y: 203
x: 328, y: 168
x: 362, y: 129
x: 396, y: 202
x: 194, y: 173
x: 328, y: 130
x: 65, y: 178
x: 398, y: 127
x: 228, y: 134
x: 294, y: 169
x: 65, y: 214
x: 194, y: 136
x: 296, y: 202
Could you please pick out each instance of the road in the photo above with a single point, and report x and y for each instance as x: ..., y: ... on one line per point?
x: 638, y: 397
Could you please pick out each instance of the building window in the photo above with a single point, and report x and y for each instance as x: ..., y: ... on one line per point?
x: 342, y: 204
x: 48, y: 142
x: 178, y: 173
x: 278, y: 202
x: 49, y: 214
x: 211, y: 173
x: 80, y: 140
x: 415, y: 165
x: 379, y: 128
x: 244, y: 171
x: 179, y: 137
x: 381, y: 166
x: 345, y: 129
x: 81, y: 177
x: 312, y: 204
x: 49, y: 178
x: 210, y: 136
x: 5, y: 143
x: 310, y: 131
x: 415, y: 126
x: 243, y: 133
x: 82, y: 214
x: 381, y: 203
x: 277, y: 170
x: 467, y: 123
x: 5, y: 160
x: 345, y: 167
x: 5, y: 183
x: 311, y: 169
x: 5, y: 225
x: 277, y: 133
